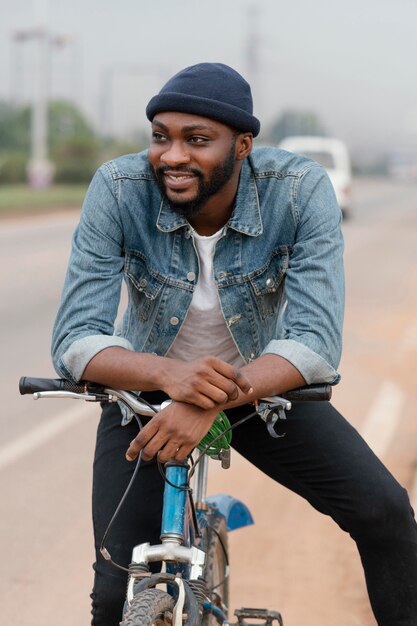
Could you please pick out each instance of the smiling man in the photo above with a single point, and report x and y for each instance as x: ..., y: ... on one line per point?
x: 232, y: 258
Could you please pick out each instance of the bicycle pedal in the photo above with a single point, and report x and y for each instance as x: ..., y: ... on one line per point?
x: 268, y: 617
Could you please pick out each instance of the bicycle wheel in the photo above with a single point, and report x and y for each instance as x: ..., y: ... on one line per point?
x: 216, y: 571
x: 152, y: 607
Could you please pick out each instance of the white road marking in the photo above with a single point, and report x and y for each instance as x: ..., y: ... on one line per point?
x: 383, y: 418
x: 36, y: 437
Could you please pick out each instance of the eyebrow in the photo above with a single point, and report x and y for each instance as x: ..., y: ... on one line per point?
x: 187, y: 129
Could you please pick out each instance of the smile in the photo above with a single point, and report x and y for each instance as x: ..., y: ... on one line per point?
x: 176, y: 178
x: 178, y: 181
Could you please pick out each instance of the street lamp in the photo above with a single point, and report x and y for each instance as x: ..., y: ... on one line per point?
x: 40, y: 169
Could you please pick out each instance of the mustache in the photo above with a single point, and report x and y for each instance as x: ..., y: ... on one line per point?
x: 182, y: 169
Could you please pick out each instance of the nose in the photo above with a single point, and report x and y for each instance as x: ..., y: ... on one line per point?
x: 175, y: 155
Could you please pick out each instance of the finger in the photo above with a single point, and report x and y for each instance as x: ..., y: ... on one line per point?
x: 214, y: 393
x: 154, y: 446
x: 170, y: 452
x: 141, y: 440
x: 243, y: 383
x: 199, y: 399
x: 233, y: 374
x: 219, y: 388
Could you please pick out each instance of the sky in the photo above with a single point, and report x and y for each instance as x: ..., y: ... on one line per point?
x: 353, y: 63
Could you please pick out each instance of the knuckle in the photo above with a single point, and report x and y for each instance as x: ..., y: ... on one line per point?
x: 135, y: 443
x: 207, y: 403
x: 170, y: 431
x: 147, y: 454
x: 223, y: 396
x: 231, y: 388
x: 192, y: 383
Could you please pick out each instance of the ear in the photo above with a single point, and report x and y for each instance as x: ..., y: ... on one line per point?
x: 244, y: 145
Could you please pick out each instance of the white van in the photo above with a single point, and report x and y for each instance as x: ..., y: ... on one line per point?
x: 333, y: 155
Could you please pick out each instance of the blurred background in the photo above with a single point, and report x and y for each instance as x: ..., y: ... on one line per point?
x: 333, y: 80
x: 76, y: 76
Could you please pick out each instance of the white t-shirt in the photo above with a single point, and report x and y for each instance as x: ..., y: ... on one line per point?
x: 204, y: 331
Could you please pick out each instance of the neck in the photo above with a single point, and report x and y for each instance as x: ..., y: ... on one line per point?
x: 217, y: 210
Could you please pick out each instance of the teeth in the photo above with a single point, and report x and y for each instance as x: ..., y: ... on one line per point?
x: 178, y: 177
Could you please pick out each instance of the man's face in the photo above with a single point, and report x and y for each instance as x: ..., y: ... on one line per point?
x: 193, y: 158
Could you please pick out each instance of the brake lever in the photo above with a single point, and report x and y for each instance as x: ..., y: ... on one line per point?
x: 38, y: 395
x: 271, y: 412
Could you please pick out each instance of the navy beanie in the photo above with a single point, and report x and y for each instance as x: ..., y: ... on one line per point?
x: 213, y: 90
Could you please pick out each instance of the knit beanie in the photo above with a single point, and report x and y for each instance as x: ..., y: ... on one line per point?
x: 212, y: 90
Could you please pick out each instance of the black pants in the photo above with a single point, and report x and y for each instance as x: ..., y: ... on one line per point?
x: 321, y: 457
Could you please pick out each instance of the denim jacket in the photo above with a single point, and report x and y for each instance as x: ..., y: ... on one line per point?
x: 278, y: 267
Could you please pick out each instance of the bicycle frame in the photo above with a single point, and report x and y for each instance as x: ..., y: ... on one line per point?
x: 180, y: 548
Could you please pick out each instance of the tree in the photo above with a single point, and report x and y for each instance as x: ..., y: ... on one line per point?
x: 72, y: 144
x: 14, y: 129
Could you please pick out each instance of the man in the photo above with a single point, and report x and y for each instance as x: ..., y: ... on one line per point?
x: 233, y: 262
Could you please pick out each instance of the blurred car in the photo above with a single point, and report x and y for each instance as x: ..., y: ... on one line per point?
x: 333, y: 155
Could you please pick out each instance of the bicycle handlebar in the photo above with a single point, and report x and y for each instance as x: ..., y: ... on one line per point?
x: 95, y: 392
x: 28, y: 384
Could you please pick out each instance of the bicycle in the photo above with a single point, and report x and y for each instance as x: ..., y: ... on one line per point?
x: 194, y: 536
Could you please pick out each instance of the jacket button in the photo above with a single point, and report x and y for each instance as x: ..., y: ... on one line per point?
x: 174, y: 321
x: 269, y: 282
x: 191, y: 276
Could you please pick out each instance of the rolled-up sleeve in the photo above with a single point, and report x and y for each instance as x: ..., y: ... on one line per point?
x: 85, y: 321
x: 309, y: 330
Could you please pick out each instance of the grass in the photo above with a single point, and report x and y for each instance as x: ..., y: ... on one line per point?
x: 20, y: 199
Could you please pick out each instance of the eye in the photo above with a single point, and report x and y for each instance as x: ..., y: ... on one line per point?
x: 197, y: 139
x: 158, y: 137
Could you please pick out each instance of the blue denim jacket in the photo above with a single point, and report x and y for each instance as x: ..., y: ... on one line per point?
x: 278, y: 267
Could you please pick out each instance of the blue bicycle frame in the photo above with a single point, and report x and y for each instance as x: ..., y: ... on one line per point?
x: 182, y: 548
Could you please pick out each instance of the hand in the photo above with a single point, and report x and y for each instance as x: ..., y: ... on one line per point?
x: 173, y: 433
x: 206, y: 382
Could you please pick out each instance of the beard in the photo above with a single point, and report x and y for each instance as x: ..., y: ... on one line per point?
x: 220, y: 175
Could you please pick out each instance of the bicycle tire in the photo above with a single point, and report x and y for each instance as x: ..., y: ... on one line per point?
x: 216, y: 569
x: 149, y: 608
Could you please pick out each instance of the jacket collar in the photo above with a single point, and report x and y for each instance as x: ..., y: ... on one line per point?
x: 246, y: 216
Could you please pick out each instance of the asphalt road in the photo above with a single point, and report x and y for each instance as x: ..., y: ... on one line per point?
x: 293, y: 559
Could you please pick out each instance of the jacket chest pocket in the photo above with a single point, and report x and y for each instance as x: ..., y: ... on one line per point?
x: 144, y: 285
x: 267, y: 282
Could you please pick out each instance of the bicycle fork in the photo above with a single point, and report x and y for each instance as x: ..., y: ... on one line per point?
x: 177, y: 536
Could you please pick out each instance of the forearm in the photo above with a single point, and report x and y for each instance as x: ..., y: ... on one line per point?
x: 206, y: 383
x: 124, y: 369
x: 268, y: 375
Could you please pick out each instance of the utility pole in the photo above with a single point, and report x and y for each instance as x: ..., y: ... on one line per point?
x: 40, y: 169
x: 253, y: 63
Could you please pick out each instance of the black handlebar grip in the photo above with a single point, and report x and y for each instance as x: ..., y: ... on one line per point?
x: 28, y: 384
x: 309, y: 392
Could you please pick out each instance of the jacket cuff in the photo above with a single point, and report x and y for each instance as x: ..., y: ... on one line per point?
x: 312, y: 367
x: 79, y: 354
